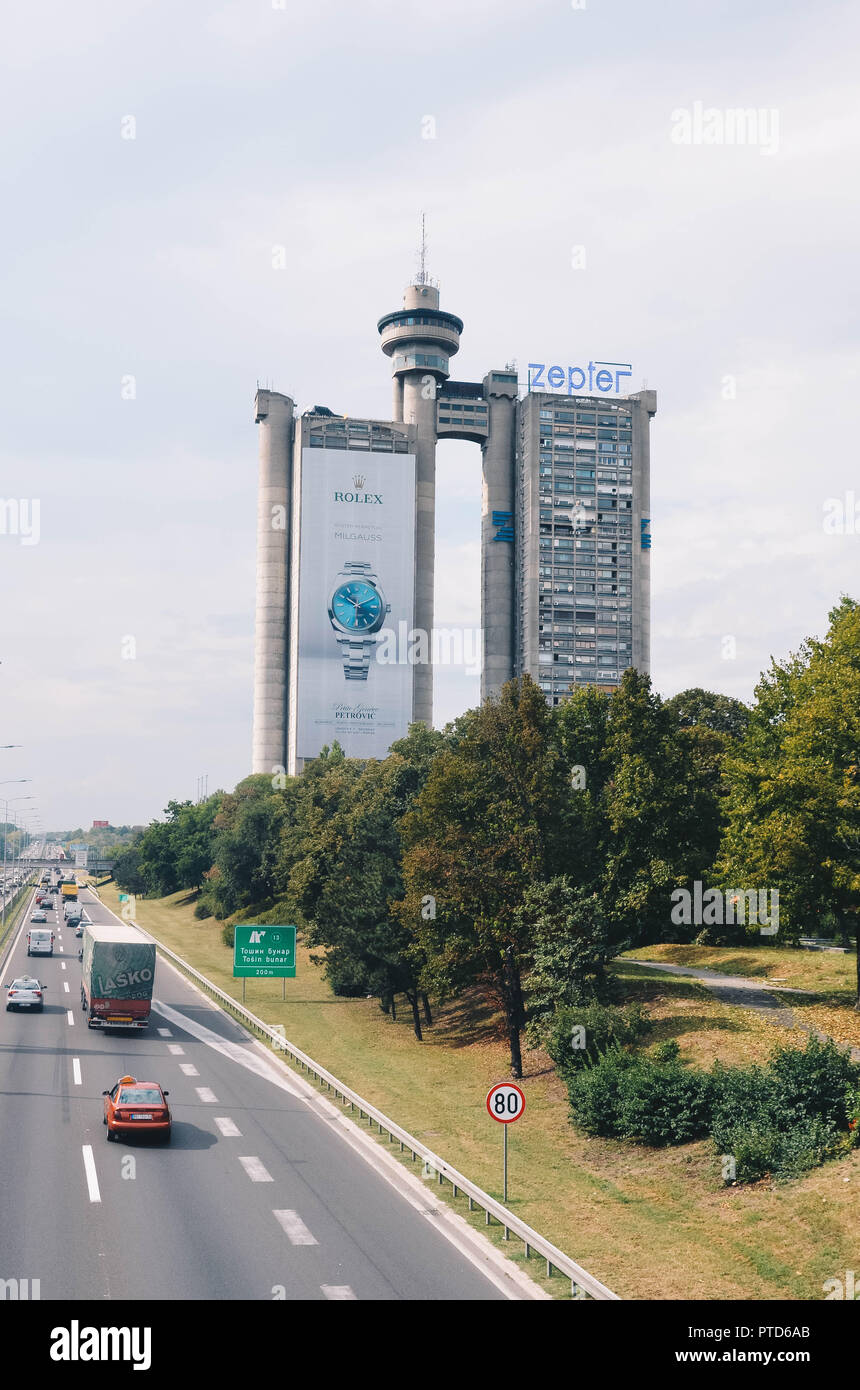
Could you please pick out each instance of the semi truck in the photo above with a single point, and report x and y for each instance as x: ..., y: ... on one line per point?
x: 117, y: 976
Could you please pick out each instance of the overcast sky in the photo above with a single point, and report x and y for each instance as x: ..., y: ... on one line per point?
x: 726, y: 274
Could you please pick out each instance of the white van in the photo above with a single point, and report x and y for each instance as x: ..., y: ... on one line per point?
x: 40, y: 941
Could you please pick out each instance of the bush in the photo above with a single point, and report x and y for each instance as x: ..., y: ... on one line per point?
x: 228, y: 935
x: 664, y: 1103
x: 629, y: 1097
x: 595, y: 1091
x: 603, y: 1025
x: 788, y: 1117
x: 202, y: 910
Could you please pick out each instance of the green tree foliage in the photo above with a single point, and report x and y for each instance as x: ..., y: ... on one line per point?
x: 569, y: 945
x: 348, y: 876
x: 487, y: 825
x: 793, y: 810
x: 171, y: 854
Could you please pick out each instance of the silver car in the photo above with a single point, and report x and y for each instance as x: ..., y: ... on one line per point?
x: 25, y: 993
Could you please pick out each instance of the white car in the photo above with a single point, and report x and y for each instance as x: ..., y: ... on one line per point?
x: 25, y: 993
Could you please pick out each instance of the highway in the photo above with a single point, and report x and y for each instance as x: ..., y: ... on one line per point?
x: 260, y: 1195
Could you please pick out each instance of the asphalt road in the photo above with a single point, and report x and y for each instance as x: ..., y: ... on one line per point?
x: 258, y: 1196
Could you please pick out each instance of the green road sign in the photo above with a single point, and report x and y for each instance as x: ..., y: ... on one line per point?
x: 264, y: 951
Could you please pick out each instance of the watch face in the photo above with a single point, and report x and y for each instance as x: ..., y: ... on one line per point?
x: 356, y: 605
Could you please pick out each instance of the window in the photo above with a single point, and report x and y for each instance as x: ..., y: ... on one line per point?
x: 584, y: 417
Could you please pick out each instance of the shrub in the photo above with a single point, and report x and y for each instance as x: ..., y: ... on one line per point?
x: 595, y: 1090
x: 202, y: 910
x: 664, y: 1103
x: 788, y: 1117
x: 228, y: 934
x: 667, y: 1051
x: 604, y: 1025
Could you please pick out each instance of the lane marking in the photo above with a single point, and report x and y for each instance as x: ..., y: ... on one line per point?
x: 76, y: 1070
x: 294, y: 1228
x: 62, y: 965
x: 337, y: 1292
x: 165, y: 1033
x: 66, y: 986
x: 228, y: 1127
x: 255, y: 1170
x: 61, y: 948
x: 237, y: 1052
x: 175, y: 1050
x: 208, y: 1097
x: 92, y: 1175
x: 70, y: 1016
x: 188, y: 1069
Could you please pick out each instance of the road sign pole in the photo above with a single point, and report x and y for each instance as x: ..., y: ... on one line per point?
x: 505, y: 1163
x: 284, y: 987
x: 243, y: 989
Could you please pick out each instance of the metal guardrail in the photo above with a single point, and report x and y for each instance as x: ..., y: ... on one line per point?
x: 583, y: 1284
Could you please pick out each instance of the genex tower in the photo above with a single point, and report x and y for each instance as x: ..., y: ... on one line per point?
x: 346, y: 523
x: 420, y: 339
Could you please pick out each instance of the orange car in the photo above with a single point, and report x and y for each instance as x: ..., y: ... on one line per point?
x: 133, y: 1107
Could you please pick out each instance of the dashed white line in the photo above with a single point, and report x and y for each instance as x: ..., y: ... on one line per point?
x: 228, y: 1128
x: 294, y: 1228
x: 255, y: 1170
x: 207, y: 1096
x: 92, y: 1176
x: 76, y: 1070
x: 188, y: 1069
x: 62, y: 965
x: 175, y: 1050
x: 66, y: 986
x: 71, y: 1018
x: 61, y: 948
x: 337, y: 1292
x: 165, y: 1033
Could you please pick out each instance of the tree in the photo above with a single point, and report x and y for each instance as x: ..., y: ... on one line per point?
x: 487, y: 824
x: 794, y: 804
x: 349, y: 876
x: 570, y: 945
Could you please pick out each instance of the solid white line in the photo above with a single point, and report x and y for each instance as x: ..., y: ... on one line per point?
x: 71, y: 1018
x: 76, y: 1070
x: 294, y: 1228
x: 165, y: 1033
x: 255, y: 1170
x: 66, y: 986
x: 207, y: 1096
x: 188, y: 1069
x: 175, y: 1050
x: 92, y: 1176
x: 228, y: 1128
x: 337, y: 1292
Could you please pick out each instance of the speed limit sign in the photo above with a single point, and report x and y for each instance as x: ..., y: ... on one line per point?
x: 506, y: 1102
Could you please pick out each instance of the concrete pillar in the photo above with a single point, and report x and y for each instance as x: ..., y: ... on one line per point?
x: 274, y: 415
x: 419, y: 408
x: 498, y: 493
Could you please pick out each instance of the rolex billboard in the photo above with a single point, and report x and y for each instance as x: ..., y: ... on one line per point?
x: 351, y: 679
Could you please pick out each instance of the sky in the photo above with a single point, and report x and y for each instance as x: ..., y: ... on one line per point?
x: 157, y: 156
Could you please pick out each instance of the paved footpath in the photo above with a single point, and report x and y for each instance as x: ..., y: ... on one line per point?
x: 745, y: 993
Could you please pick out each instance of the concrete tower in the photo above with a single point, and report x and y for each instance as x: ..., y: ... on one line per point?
x: 274, y: 415
x: 421, y: 338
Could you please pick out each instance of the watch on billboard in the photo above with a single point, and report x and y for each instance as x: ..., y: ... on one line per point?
x: 357, y: 612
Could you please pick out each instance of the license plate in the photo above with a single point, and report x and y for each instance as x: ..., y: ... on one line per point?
x: 141, y: 1117
x: 119, y: 1018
